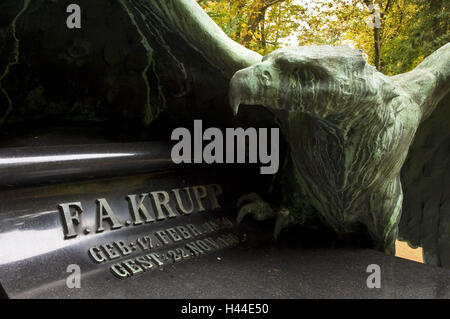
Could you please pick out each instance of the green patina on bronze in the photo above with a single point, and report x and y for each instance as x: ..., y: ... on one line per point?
x: 14, y: 59
x: 131, y: 59
x: 348, y: 128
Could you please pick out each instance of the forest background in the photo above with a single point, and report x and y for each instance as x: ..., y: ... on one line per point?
x: 394, y: 35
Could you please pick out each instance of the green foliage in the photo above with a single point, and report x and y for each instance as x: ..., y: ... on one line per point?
x: 409, y: 30
x: 257, y: 24
x: 421, y: 27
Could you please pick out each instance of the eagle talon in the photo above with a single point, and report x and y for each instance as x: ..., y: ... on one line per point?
x: 256, y: 207
x: 283, y: 220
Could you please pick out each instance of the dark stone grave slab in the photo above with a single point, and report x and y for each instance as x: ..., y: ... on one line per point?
x: 72, y: 205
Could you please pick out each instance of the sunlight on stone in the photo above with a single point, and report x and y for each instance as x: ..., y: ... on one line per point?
x: 404, y: 251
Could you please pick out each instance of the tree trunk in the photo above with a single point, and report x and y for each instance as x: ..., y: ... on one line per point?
x: 377, y: 45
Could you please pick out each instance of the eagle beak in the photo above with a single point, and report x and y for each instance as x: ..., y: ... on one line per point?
x: 246, y: 88
x: 235, y: 93
x: 235, y: 103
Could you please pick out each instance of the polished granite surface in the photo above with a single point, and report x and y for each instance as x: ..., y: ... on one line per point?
x: 279, y: 273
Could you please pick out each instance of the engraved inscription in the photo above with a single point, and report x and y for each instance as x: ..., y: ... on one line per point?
x: 165, y: 246
x: 190, y: 237
x: 160, y: 238
x: 143, y: 208
x: 195, y: 248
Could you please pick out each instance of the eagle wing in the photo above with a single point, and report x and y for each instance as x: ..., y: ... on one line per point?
x: 425, y: 175
x: 425, y: 178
